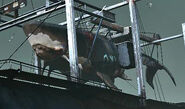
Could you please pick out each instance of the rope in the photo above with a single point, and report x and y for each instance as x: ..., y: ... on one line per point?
x: 142, y: 29
x: 158, y: 90
x: 158, y: 76
x: 131, y: 85
x: 155, y: 94
x: 94, y: 40
x: 161, y: 87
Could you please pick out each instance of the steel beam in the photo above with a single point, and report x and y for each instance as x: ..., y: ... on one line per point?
x: 72, y: 44
x: 183, y: 29
x: 1, y: 20
x: 92, y: 14
x: 112, y: 7
x: 137, y: 51
x: 38, y: 64
x: 44, y: 10
x: 87, y: 4
x: 35, y: 12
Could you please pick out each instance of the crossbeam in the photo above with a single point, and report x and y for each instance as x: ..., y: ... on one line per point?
x: 35, y: 12
x: 25, y: 18
x: 162, y: 40
x: 30, y: 77
x: 112, y: 7
x: 13, y: 6
x: 93, y: 14
x: 43, y: 11
x: 120, y: 29
x: 109, y: 25
x: 2, y: 20
x: 137, y: 52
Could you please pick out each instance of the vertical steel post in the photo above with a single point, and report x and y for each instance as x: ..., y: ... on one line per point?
x: 38, y: 64
x: 47, y: 3
x: 72, y: 44
x: 137, y: 51
x: 183, y: 30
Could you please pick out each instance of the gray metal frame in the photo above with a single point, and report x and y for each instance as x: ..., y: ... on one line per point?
x: 183, y: 30
x: 137, y: 50
x: 109, y: 8
x: 37, y: 63
x: 163, y: 40
x: 72, y: 43
x: 47, y: 3
x: 72, y: 37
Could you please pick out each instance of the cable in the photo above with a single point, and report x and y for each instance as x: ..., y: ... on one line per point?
x: 155, y: 94
x: 27, y: 38
x: 108, y: 33
x: 151, y: 52
x: 81, y: 25
x: 161, y: 54
x: 142, y: 29
x: 51, y: 16
x: 161, y: 87
x: 32, y: 5
x: 158, y: 90
x: 148, y: 33
x: 32, y: 60
x: 158, y: 77
x: 2, y: 3
x: 94, y: 39
x: 131, y: 85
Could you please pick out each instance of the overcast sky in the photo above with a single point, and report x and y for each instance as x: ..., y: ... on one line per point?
x: 164, y: 17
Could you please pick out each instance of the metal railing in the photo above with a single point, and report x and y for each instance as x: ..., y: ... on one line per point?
x: 22, y: 66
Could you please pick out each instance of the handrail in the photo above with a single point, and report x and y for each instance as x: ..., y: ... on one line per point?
x: 23, y: 64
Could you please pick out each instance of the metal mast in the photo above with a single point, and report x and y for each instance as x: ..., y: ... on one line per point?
x: 183, y: 30
x: 137, y: 51
x: 38, y: 64
x: 47, y: 3
x: 72, y: 44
